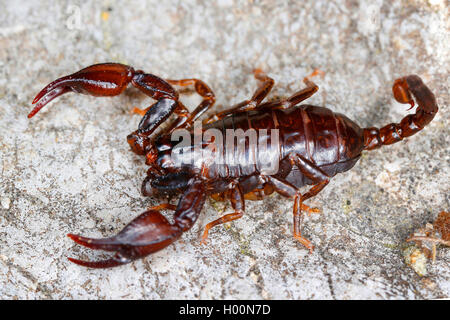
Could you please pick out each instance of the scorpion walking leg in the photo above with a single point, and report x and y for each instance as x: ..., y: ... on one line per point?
x: 164, y: 206
x: 303, y: 94
x: 264, y: 90
x: 106, y: 79
x: 149, y: 232
x: 238, y: 204
x: 208, y: 101
x: 259, y: 95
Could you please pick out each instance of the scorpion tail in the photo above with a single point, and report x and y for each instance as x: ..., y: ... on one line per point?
x: 148, y: 233
x: 427, y: 108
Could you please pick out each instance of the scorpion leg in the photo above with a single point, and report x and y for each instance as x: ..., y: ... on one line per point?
x: 139, y: 140
x: 106, y: 79
x: 288, y: 190
x: 238, y: 205
x: 261, y: 92
x: 149, y: 232
x: 264, y: 90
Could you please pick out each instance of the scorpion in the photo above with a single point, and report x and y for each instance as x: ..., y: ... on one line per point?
x: 315, y: 144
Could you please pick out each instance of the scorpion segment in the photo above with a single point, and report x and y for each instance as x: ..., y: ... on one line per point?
x: 148, y: 233
x: 106, y: 79
x: 404, y: 89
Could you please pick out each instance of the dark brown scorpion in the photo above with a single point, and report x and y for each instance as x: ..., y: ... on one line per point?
x: 313, y: 145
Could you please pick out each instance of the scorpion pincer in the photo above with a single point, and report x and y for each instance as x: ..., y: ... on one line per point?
x: 314, y: 145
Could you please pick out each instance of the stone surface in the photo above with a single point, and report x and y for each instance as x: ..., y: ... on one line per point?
x: 69, y: 168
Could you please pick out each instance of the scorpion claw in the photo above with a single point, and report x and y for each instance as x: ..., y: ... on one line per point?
x: 148, y: 233
x: 107, y: 244
x: 401, y: 92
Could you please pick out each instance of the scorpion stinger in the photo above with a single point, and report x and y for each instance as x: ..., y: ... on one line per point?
x: 106, y: 79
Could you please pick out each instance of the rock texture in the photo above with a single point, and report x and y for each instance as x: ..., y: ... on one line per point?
x: 69, y: 169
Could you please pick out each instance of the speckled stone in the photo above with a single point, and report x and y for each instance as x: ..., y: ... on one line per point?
x: 69, y: 169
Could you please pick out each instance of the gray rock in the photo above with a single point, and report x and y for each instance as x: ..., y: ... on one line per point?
x: 69, y: 169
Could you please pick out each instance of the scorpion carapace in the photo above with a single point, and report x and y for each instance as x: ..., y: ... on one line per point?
x: 314, y: 145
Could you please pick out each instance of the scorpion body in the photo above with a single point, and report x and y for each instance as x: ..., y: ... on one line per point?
x: 313, y: 145
x: 330, y: 141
